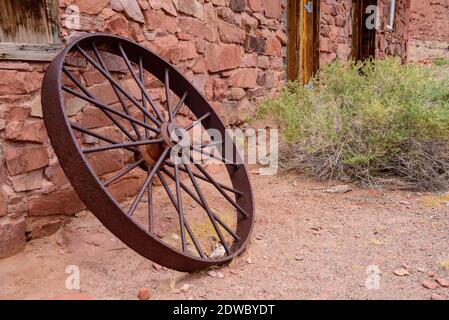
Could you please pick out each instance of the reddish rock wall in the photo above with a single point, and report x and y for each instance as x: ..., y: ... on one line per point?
x: 429, y: 29
x: 336, y: 36
x: 231, y: 50
x: 429, y: 20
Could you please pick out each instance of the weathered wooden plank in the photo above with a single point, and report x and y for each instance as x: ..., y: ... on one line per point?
x: 363, y: 39
x: 304, y: 40
x: 29, y: 29
x: 309, y: 40
x: 32, y: 52
x: 293, y: 40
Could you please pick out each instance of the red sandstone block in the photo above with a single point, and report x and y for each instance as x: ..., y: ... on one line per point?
x: 244, y: 78
x: 25, y: 159
x: 273, y: 47
x: 91, y: 6
x: 29, y: 131
x: 223, y: 57
x: 3, y: 203
x: 273, y: 8
x: 64, y: 202
x: 12, y: 236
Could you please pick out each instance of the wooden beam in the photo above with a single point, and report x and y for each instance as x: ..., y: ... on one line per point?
x: 31, y: 52
x: 293, y: 40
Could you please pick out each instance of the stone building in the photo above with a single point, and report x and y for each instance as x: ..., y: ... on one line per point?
x: 429, y: 29
x: 235, y: 52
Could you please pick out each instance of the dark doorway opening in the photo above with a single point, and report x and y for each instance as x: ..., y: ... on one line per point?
x: 364, y: 17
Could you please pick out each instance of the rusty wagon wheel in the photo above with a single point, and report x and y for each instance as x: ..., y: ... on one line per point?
x: 113, y: 111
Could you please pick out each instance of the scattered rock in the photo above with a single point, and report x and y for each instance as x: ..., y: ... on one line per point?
x: 339, y: 189
x: 131, y: 8
x: 430, y: 274
x: 443, y: 282
x: 185, y: 287
x: 144, y: 294
x: 249, y: 261
x: 431, y: 285
x: 401, y: 272
x: 218, y: 252
x: 220, y: 275
x: 212, y: 274
x: 157, y: 267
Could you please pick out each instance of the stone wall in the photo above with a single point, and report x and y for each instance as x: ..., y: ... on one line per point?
x: 231, y: 50
x: 336, y: 37
x: 429, y: 29
x: 393, y: 42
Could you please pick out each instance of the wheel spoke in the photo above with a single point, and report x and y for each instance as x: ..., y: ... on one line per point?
x: 205, y: 179
x: 118, y: 94
x: 144, y: 103
x: 121, y: 145
x: 122, y: 172
x: 180, y: 103
x: 220, y: 189
x: 140, y: 84
x: 211, y: 156
x: 105, y: 107
x: 208, y: 211
x: 98, y: 136
x: 88, y: 94
x: 168, y: 95
x: 197, y: 200
x: 189, y: 230
x: 147, y: 182
x: 194, y: 123
x: 180, y: 209
x: 150, y: 206
x: 116, y: 84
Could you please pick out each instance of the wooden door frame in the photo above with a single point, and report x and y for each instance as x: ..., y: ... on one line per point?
x: 295, y: 69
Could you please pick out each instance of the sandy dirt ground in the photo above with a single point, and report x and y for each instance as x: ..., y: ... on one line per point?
x: 307, y: 244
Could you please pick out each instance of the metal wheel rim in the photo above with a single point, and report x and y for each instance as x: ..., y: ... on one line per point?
x: 89, y: 187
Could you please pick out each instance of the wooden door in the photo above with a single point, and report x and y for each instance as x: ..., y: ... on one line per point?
x: 363, y: 36
x: 304, y: 39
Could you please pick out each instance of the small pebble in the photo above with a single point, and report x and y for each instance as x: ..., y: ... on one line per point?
x: 185, y: 287
x: 157, y: 267
x: 212, y: 274
x: 401, y: 272
x: 443, y: 282
x: 431, y: 285
x: 144, y: 294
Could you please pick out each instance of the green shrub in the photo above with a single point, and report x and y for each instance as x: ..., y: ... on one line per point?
x: 441, y: 62
x: 368, y: 121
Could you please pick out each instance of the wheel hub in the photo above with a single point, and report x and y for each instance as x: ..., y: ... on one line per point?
x: 171, y: 133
